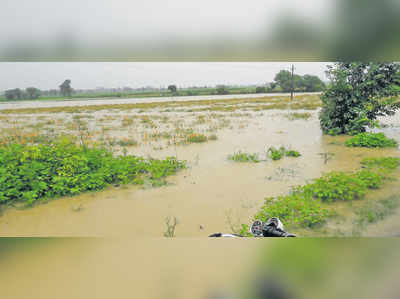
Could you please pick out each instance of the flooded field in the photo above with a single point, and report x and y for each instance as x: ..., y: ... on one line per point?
x: 213, y: 194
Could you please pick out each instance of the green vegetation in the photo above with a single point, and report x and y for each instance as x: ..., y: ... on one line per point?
x: 358, y: 94
x: 304, y: 206
x: 307, y: 83
x: 244, y: 157
x: 373, y: 212
x: 196, y: 138
x: 371, y: 140
x: 294, y: 210
x: 34, y: 172
x: 298, y: 115
x: 277, y: 154
x: 381, y: 163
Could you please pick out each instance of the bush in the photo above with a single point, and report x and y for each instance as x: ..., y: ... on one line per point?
x: 371, y: 140
x: 31, y: 173
x: 244, y: 157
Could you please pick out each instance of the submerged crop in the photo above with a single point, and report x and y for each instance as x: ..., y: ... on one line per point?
x: 303, y: 206
x: 35, y: 172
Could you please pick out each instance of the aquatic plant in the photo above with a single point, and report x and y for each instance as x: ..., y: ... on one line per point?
x: 34, y: 172
x: 371, y: 140
x: 303, y: 206
x: 277, y: 154
x: 196, y: 138
x: 244, y: 157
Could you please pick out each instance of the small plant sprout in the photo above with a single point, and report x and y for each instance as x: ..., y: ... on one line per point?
x: 171, y: 225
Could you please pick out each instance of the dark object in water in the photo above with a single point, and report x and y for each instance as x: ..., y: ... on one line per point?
x: 273, y: 227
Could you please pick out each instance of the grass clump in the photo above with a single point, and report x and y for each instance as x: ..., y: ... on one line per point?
x: 374, y: 211
x: 382, y: 162
x: 371, y: 140
x: 244, y: 157
x: 196, y: 138
x: 34, y: 172
x: 298, y: 115
x: 277, y: 154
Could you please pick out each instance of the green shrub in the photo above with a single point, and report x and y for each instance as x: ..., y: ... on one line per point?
x: 371, y: 140
x: 30, y: 173
x: 244, y: 157
x: 294, y: 210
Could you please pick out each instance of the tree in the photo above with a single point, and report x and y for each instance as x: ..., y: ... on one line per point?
x: 284, y: 80
x: 32, y: 93
x: 172, y: 88
x: 312, y: 83
x: 358, y: 94
x: 260, y: 89
x: 221, y: 89
x: 65, y: 88
x: 14, y: 94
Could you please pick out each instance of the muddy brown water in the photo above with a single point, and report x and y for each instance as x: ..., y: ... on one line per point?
x: 212, y: 194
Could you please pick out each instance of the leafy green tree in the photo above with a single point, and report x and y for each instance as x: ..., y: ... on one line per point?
x: 260, y: 89
x: 312, y: 83
x: 359, y: 93
x: 172, y: 88
x: 221, y: 89
x: 284, y: 80
x: 65, y: 88
x: 14, y: 94
x: 32, y: 92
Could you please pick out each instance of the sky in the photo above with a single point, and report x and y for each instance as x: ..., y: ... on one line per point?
x: 89, y: 75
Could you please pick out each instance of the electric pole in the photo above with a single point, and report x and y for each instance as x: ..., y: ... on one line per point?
x: 292, y: 91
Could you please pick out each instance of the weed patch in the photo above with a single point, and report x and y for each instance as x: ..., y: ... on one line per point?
x: 244, y: 157
x: 277, y: 154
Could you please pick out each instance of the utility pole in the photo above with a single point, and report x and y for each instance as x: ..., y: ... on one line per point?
x: 292, y: 91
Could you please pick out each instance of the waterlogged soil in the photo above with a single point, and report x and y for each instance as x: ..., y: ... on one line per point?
x: 213, y: 194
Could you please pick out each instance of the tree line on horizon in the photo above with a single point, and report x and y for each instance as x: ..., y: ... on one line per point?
x: 283, y: 82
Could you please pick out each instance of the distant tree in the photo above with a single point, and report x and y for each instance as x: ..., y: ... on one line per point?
x: 33, y: 93
x: 260, y: 89
x: 172, y: 88
x: 221, y: 89
x: 312, y: 83
x: 65, y: 88
x: 14, y: 94
x: 284, y: 80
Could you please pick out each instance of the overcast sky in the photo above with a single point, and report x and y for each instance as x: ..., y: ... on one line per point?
x: 88, y: 75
